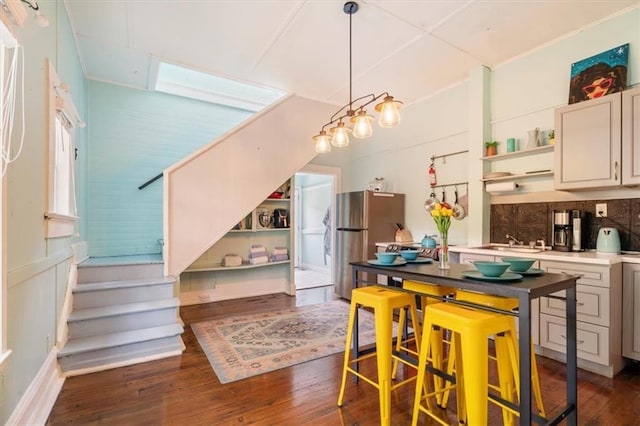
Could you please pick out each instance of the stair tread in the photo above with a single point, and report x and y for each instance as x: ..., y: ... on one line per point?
x: 86, y: 344
x: 134, y: 354
x: 127, y: 308
x: 139, y: 282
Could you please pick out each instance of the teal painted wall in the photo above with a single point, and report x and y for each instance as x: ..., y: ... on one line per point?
x: 38, y: 268
x: 134, y: 136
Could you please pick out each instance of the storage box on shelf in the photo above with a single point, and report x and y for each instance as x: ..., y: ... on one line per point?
x: 599, y: 318
x: 631, y: 311
x: 208, y: 279
x: 598, y: 141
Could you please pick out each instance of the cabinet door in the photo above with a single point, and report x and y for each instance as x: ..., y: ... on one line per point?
x: 588, y: 144
x: 631, y: 137
x: 631, y: 312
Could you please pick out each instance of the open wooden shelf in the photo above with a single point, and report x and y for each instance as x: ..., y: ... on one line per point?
x: 219, y: 267
x: 521, y: 153
x: 520, y: 176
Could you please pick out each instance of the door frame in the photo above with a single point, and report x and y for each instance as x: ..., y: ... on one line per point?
x: 336, y: 187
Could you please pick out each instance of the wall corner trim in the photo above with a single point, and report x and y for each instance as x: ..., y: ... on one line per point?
x: 38, y: 400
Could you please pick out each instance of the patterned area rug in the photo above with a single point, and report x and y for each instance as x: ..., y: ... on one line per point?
x: 245, y: 346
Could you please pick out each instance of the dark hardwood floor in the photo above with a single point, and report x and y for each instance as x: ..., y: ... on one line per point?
x: 184, y: 390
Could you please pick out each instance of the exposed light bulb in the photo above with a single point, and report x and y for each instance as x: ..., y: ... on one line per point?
x: 323, y: 142
x: 340, y: 135
x: 362, y: 125
x: 389, y: 111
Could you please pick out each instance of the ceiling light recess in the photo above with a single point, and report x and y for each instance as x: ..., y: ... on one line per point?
x: 354, y: 111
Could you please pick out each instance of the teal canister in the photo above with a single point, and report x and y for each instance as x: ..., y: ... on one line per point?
x: 428, y: 241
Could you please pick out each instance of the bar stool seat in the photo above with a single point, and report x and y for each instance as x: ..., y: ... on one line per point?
x: 471, y: 329
x: 383, y: 301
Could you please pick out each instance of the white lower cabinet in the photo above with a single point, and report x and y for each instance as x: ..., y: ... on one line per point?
x: 631, y: 311
x: 592, y: 340
x: 599, y: 317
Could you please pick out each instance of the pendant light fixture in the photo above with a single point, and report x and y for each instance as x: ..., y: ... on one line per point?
x: 354, y: 111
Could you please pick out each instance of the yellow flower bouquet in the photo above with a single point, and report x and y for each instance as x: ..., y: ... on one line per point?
x: 442, y: 217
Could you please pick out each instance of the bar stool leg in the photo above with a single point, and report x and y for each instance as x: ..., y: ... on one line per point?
x: 427, y: 331
x: 384, y: 321
x: 537, y: 392
x: 505, y: 375
x: 347, y: 351
x: 475, y: 365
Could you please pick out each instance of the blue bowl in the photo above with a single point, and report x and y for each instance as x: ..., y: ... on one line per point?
x: 387, y: 258
x: 519, y: 264
x: 409, y: 254
x: 491, y: 269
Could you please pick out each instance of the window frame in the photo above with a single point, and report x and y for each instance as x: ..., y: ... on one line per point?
x: 7, y: 38
x: 60, y: 107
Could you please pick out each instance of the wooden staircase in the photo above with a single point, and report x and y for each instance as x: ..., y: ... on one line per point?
x: 124, y: 312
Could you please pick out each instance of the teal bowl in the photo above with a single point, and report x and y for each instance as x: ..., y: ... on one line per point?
x: 387, y: 258
x: 519, y: 264
x: 491, y: 269
x: 409, y: 254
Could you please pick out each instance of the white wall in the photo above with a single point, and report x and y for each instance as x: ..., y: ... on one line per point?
x: 38, y: 268
x: 524, y: 94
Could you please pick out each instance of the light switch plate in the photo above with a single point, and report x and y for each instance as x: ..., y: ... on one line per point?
x: 601, y: 210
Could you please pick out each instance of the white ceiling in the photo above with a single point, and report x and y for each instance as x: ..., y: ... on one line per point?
x: 409, y: 48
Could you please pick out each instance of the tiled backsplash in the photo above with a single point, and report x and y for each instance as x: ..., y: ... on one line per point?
x: 532, y: 221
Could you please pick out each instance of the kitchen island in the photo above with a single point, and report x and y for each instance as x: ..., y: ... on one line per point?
x: 603, y: 327
x: 525, y: 290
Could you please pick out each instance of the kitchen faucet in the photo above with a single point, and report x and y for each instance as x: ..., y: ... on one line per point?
x: 513, y: 240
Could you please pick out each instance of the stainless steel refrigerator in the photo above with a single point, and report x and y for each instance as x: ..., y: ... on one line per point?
x: 363, y: 218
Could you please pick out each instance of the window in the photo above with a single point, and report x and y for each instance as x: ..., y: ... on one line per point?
x: 61, y: 213
x: 11, y: 57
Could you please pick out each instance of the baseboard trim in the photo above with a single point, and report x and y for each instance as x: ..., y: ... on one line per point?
x: 38, y: 400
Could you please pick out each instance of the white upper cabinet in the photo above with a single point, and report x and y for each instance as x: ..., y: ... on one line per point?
x: 588, y: 144
x: 631, y: 137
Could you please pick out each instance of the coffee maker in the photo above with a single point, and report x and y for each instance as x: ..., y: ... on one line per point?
x: 562, y: 231
x: 568, y: 230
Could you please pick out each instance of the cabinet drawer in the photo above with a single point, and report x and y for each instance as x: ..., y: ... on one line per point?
x: 589, y: 274
x: 592, y: 340
x: 592, y: 304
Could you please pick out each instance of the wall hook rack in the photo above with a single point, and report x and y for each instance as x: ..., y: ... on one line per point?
x: 444, y: 156
x: 452, y: 184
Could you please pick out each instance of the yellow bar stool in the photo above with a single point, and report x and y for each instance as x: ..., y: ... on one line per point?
x: 472, y: 329
x: 436, y: 355
x: 384, y: 301
x: 506, y: 365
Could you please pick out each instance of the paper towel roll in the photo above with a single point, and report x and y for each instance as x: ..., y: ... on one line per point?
x: 501, y: 187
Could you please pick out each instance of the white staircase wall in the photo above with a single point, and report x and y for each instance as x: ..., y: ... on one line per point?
x: 207, y: 193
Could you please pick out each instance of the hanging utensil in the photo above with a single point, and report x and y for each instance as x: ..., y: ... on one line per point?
x: 458, y: 210
x: 431, y: 202
x: 444, y: 196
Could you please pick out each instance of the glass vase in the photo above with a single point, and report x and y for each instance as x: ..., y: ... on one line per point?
x: 443, y: 253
